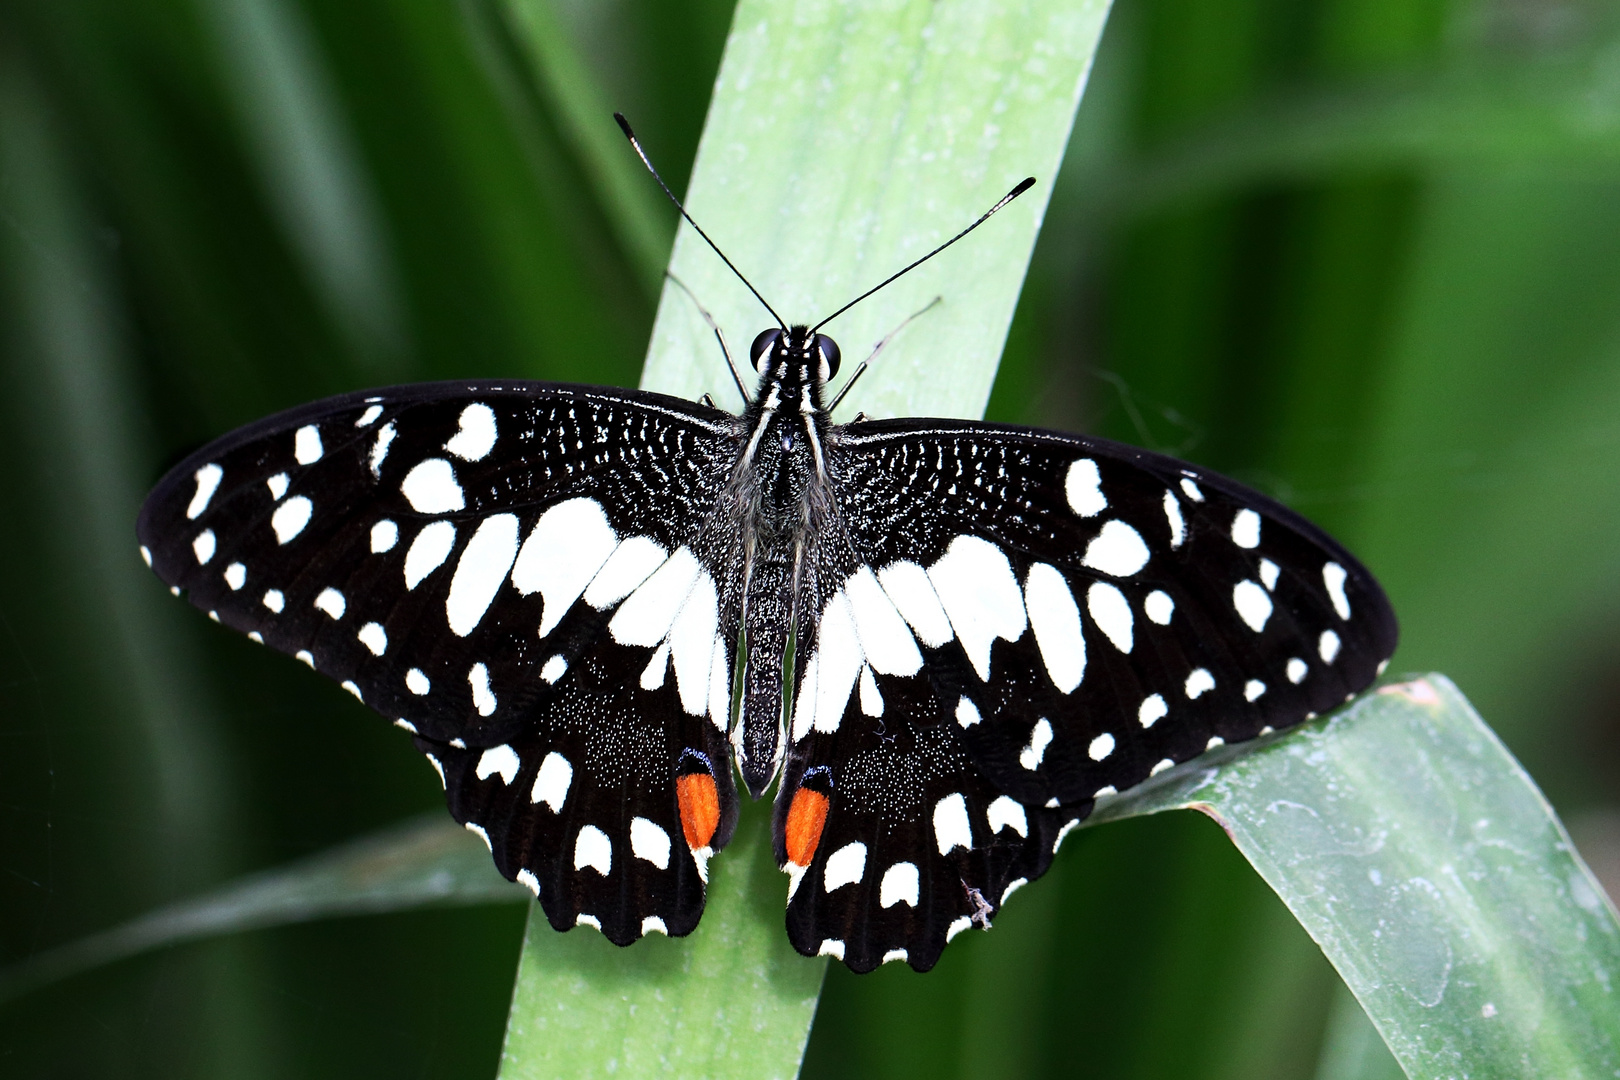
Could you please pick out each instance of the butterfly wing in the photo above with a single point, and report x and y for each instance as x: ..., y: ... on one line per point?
x: 525, y: 576
x: 1014, y: 623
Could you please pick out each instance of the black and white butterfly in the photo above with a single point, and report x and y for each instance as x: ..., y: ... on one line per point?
x: 942, y: 639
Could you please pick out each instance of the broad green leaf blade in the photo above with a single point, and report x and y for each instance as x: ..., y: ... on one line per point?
x: 842, y: 143
x: 846, y: 140
x: 425, y: 862
x: 731, y: 999
x: 1422, y: 858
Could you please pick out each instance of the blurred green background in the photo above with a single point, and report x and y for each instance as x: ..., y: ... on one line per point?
x: 1362, y: 254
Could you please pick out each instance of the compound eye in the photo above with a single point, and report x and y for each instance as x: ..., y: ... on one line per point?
x: 761, y: 348
x: 829, y: 356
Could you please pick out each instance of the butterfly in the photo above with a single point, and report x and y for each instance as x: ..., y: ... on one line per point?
x: 597, y: 610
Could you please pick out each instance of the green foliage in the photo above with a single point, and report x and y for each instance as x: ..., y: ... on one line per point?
x: 1358, y: 252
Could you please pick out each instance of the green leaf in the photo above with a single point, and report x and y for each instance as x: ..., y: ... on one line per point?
x: 1422, y: 858
x: 1559, y: 114
x: 424, y: 862
x: 842, y: 143
x: 845, y: 141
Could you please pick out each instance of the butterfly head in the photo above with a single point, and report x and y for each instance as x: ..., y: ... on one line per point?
x: 795, y: 364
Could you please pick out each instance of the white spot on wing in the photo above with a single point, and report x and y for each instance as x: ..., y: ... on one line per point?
x: 483, y: 697
x: 379, y: 449
x: 1296, y: 670
x: 631, y: 563
x: 951, y: 828
x: 913, y: 594
x: 477, y: 435
x: 883, y: 634
x: 275, y: 601
x: 235, y: 576
x: 305, y: 657
x: 1112, y: 614
x: 1199, y: 682
x: 846, y: 866
x: 551, y: 782
x: 1253, y: 689
x: 1007, y: 813
x: 208, y: 478
x: 1040, y: 737
x: 957, y: 926
x: 1190, y: 489
x: 1268, y: 574
x: 291, y: 517
x: 1172, y: 514
x: 652, y: 676
x: 374, y: 637
x: 871, y: 700
x: 1252, y: 603
x: 478, y: 831
x: 384, y: 535
x: 649, y: 842
x: 554, y: 668
x: 1117, y: 550
x: 307, y: 445
x: 1334, y: 576
x: 428, y: 551
x: 839, y: 654
x: 431, y: 488
x: 480, y: 571
x: 1152, y: 710
x: 832, y: 947
x: 691, y: 638
x: 502, y: 760
x: 1163, y: 764
x: 1100, y: 747
x: 146, y: 555
x: 652, y: 924
x: 967, y: 713
x: 976, y: 586
x: 1246, y: 529
x: 1327, y: 647
x: 1055, y: 619
x: 1083, y: 486
x: 1159, y: 607
x: 565, y: 549
x: 646, y: 615
x: 416, y: 682
x: 899, y: 886
x: 719, y: 686
x: 592, y: 848
x: 203, y: 546
x: 895, y: 955
x: 331, y: 601
x: 366, y: 419
x: 527, y: 879
x: 277, y: 485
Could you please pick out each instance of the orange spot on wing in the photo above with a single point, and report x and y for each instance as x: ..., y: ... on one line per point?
x: 805, y: 820
x: 700, y: 808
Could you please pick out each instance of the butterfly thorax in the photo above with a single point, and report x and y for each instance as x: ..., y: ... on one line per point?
x: 781, y: 492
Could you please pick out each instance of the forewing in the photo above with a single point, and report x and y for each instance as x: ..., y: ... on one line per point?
x: 1015, y: 623
x: 516, y: 573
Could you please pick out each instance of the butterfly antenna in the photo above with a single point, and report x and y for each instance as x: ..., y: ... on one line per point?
x: 624, y: 126
x: 1023, y: 186
x: 936, y: 301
